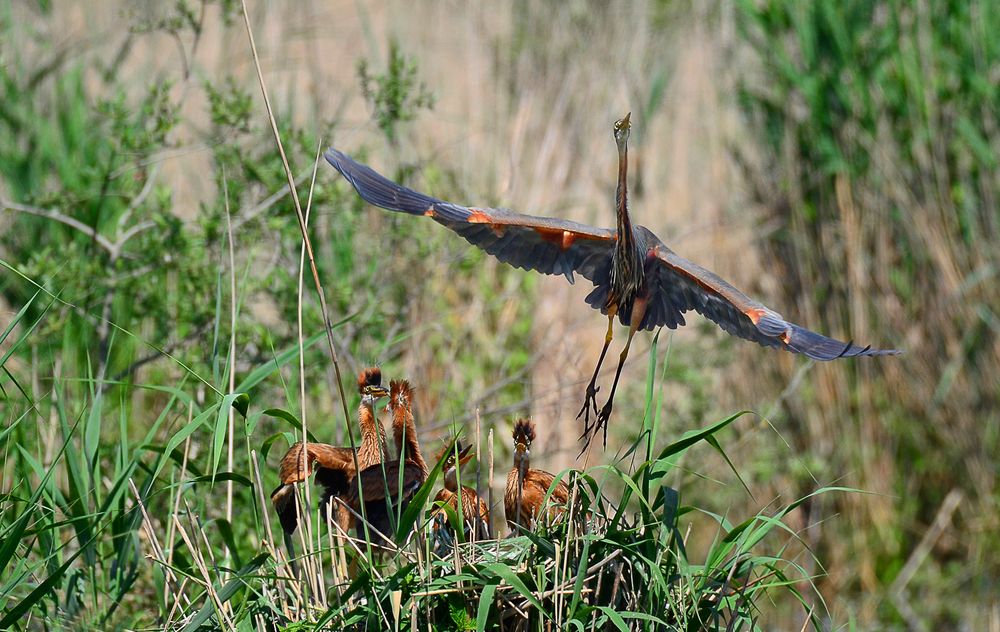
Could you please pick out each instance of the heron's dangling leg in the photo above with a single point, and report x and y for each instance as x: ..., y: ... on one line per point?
x: 638, y: 311
x: 590, y: 400
x: 605, y: 413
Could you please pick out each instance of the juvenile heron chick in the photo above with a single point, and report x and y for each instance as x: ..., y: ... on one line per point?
x: 333, y: 466
x: 387, y: 488
x: 524, y: 500
x: 475, y: 512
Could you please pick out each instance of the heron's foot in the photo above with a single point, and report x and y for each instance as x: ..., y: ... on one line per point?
x: 590, y: 429
x: 589, y: 402
x: 602, y: 421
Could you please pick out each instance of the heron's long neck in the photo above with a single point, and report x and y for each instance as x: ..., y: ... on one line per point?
x: 405, y: 431
x: 621, y: 199
x: 522, y: 464
x: 373, y: 448
x: 451, y: 480
x: 626, y: 269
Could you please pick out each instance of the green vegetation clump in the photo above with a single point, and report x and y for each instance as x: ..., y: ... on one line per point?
x: 396, y: 95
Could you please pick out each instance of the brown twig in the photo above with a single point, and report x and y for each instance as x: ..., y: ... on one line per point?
x: 99, y: 239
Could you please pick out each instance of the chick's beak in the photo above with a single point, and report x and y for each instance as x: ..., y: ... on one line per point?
x: 465, y: 455
x: 378, y: 391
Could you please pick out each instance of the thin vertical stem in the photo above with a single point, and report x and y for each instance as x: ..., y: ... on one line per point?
x: 232, y: 349
x: 489, y: 488
x: 302, y: 227
x: 479, y: 446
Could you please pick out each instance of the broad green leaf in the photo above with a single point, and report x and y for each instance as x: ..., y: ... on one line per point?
x: 485, y: 603
x: 288, y: 417
x: 222, y: 425
x: 506, y: 574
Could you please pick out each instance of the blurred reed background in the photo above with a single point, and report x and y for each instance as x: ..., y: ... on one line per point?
x: 837, y: 161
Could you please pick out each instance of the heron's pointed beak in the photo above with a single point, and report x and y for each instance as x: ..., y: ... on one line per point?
x: 378, y: 391
x: 626, y: 124
x: 465, y: 455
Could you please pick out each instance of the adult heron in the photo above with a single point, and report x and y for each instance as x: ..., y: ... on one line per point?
x: 636, y: 276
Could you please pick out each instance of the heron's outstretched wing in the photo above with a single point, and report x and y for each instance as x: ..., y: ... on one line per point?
x: 548, y: 245
x: 333, y: 467
x: 678, y: 285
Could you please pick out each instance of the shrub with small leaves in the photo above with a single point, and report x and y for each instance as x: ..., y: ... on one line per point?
x: 395, y: 96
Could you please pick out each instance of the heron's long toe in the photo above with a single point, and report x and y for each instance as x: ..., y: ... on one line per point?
x: 601, y: 417
x: 602, y: 421
x: 589, y: 401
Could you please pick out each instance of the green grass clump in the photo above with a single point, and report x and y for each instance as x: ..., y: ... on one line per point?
x: 131, y: 533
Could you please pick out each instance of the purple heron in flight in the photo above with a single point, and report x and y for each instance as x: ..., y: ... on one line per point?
x: 636, y: 276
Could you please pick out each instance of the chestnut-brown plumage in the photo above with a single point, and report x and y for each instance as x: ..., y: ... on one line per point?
x: 526, y: 488
x: 373, y: 448
x: 334, y: 466
x: 475, y: 512
x: 387, y: 492
x: 404, y: 430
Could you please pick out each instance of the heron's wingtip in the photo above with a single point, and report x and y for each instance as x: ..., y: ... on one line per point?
x: 868, y: 352
x: 333, y: 155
